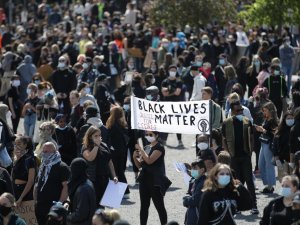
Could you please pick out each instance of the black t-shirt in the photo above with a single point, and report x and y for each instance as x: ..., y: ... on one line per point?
x: 59, y: 173
x: 99, y: 166
x: 21, y: 167
x: 15, y: 95
x: 33, y: 102
x: 172, y: 85
x: 239, y: 138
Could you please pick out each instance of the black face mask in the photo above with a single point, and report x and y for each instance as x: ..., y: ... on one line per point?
x: 4, y: 211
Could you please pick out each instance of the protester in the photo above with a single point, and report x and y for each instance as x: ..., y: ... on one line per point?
x: 279, y: 210
x: 57, y: 215
x: 7, y: 214
x: 152, y: 178
x: 51, y: 183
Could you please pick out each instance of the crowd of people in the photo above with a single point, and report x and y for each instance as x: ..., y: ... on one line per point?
x: 67, y: 72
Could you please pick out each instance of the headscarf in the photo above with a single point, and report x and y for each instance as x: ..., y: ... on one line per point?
x: 46, y: 166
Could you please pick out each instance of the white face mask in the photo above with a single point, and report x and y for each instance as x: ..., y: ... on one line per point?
x: 153, y: 81
x: 172, y: 74
x: 16, y: 83
x: 61, y: 65
x: 150, y: 139
x: 202, y: 145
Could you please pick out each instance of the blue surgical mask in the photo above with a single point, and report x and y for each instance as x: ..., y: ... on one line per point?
x: 290, y: 122
x: 126, y: 107
x: 149, y: 97
x: 28, y: 91
x: 257, y: 63
x: 199, y: 63
x: 195, y: 173
x: 239, y: 117
x: 222, y: 62
x: 223, y: 180
x: 276, y: 72
x: 87, y: 90
x: 285, y: 191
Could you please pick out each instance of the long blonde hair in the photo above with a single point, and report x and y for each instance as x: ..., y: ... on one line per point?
x: 116, y: 116
x: 229, y: 72
x: 87, y: 139
x: 211, y: 183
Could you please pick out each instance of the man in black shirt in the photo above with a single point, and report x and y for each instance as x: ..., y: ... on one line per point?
x: 52, y: 182
x: 236, y: 131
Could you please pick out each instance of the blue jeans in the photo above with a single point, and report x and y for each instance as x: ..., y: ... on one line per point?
x: 287, y: 70
x: 265, y: 166
x: 29, y: 124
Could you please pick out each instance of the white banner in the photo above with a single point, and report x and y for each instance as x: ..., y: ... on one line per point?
x: 171, y: 117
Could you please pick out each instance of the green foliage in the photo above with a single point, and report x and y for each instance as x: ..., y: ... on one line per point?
x: 178, y: 13
x: 271, y: 12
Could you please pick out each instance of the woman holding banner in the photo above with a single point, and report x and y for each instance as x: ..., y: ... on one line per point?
x: 152, y: 178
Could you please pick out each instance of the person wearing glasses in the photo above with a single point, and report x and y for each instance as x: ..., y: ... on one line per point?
x: 152, y: 178
x: 220, y: 198
x: 237, y: 132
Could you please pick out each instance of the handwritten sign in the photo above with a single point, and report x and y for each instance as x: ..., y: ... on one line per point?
x: 26, y: 212
x: 171, y: 117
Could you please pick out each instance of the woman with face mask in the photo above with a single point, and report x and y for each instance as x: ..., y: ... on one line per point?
x: 14, y: 103
x: 85, y: 94
x: 220, y: 199
x: 279, y: 210
x: 7, y: 214
x: 152, y: 178
x: 24, y: 169
x: 280, y: 147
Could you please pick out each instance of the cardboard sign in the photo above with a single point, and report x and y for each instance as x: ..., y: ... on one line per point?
x: 191, y: 117
x: 26, y: 212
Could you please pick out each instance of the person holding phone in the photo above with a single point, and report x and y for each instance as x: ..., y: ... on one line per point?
x: 98, y: 157
x: 152, y: 178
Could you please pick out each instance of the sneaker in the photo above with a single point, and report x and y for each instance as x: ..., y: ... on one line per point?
x: 267, y: 190
x: 126, y: 196
x: 254, y: 211
x: 180, y: 145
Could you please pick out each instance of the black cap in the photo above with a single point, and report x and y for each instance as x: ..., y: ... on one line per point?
x: 91, y: 111
x: 121, y: 222
x: 102, y: 76
x: 58, y: 210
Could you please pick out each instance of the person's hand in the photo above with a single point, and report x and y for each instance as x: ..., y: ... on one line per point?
x: 66, y: 206
x: 136, y: 154
x: 138, y: 147
x: 259, y: 129
x: 251, y: 99
x: 116, y: 180
x: 13, y: 115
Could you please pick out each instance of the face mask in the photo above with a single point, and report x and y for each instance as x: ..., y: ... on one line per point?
x: 87, y: 90
x: 202, y: 145
x: 276, y: 72
x: 37, y: 82
x: 223, y: 180
x: 46, y: 156
x: 172, y: 74
x: 239, y: 117
x: 126, y: 107
x: 131, y: 67
x: 257, y: 63
x: 149, y: 97
x: 175, y: 44
x: 62, y: 128
x: 199, y: 63
x: 16, y: 83
x: 8, y: 115
x: 204, y: 41
x: 215, y: 42
x: 150, y: 139
x: 287, y: 42
x: 85, y: 65
x: 285, y: 191
x: 166, y: 45
x: 61, y: 65
x: 28, y: 91
x: 153, y: 69
x: 153, y: 81
x: 4, y: 211
x: 195, y: 173
x: 290, y: 122
x: 222, y: 62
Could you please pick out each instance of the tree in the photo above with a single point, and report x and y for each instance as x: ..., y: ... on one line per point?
x: 272, y: 12
x: 178, y: 13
